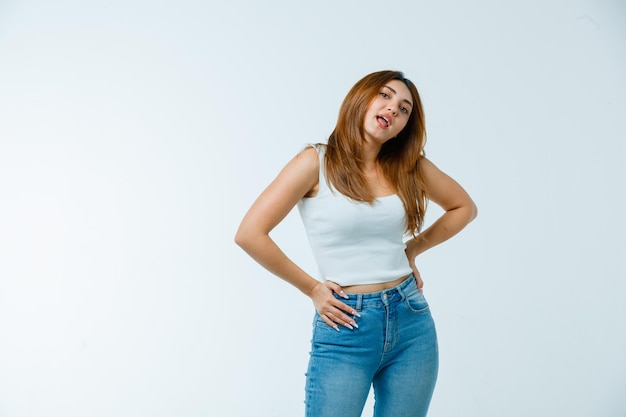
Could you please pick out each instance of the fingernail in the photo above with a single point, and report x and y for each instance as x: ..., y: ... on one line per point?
x: 348, y: 326
x: 355, y: 325
x: 354, y: 313
x: 336, y: 327
x: 343, y: 294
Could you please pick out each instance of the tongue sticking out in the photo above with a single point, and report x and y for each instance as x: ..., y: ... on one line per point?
x: 382, y: 122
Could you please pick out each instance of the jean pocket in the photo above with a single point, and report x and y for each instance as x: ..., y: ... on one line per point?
x: 318, y: 321
x: 416, y: 302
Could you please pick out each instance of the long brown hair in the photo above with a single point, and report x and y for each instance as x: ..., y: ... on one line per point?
x: 399, y: 157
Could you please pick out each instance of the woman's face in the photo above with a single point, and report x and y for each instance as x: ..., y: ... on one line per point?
x: 388, y: 113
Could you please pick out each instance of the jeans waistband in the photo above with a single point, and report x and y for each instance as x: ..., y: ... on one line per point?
x: 380, y: 298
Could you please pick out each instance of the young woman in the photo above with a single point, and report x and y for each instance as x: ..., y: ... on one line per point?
x: 360, y: 196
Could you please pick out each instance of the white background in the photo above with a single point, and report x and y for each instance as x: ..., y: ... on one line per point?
x: 134, y: 135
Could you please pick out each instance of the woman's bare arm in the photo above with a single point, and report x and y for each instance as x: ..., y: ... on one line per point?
x: 294, y: 181
x: 459, y: 209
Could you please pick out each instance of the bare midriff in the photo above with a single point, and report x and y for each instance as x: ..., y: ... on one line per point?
x: 370, y: 288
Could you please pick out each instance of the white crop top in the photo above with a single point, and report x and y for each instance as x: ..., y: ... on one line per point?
x: 353, y: 242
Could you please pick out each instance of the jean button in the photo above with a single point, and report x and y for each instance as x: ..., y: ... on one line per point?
x: 385, y: 296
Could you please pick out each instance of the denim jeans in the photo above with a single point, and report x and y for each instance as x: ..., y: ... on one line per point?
x: 394, y: 349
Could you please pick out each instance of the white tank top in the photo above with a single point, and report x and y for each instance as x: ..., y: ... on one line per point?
x: 353, y: 242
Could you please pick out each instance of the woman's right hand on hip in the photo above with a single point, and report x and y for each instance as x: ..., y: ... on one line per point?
x: 330, y: 309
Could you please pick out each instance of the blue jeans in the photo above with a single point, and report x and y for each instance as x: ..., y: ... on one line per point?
x: 394, y: 349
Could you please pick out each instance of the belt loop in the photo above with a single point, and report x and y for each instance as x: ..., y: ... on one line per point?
x: 405, y: 285
x: 402, y: 296
x: 359, y: 302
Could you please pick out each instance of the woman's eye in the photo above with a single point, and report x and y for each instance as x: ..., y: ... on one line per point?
x: 404, y: 110
x: 383, y: 94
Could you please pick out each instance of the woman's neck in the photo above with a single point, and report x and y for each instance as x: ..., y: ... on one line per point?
x: 369, y: 153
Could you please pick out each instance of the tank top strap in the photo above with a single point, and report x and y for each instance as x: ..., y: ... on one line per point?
x: 321, y: 151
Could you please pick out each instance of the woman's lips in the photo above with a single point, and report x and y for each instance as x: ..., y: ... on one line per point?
x: 384, y: 120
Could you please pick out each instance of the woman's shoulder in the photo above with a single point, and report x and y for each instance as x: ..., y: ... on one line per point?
x: 313, y: 153
x: 309, y: 155
x: 319, y: 148
x: 308, y: 163
x: 305, y: 164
